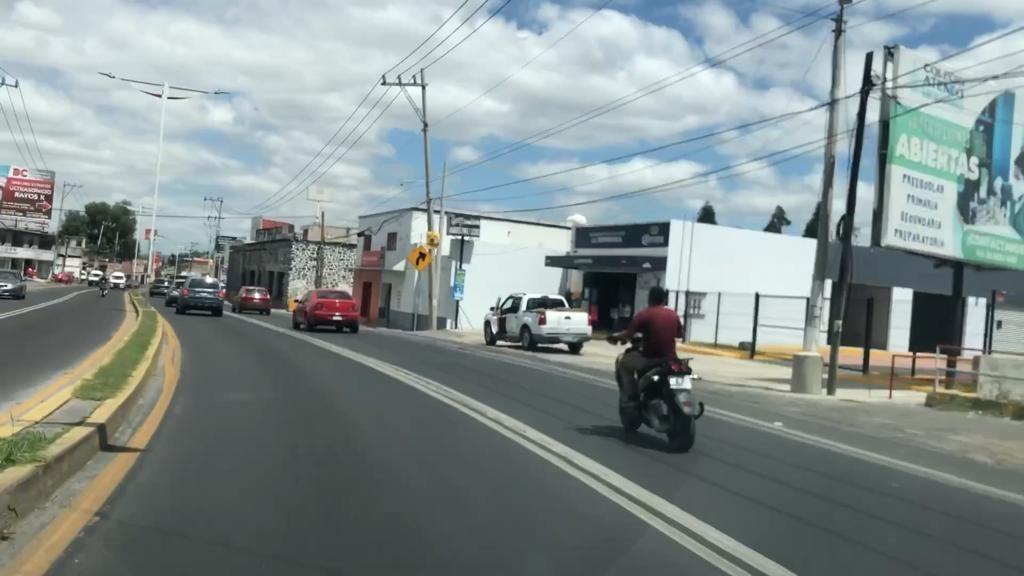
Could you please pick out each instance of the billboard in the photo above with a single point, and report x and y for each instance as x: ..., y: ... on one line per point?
x: 26, y: 192
x: 954, y: 182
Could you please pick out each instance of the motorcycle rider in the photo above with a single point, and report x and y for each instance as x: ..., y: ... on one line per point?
x: 104, y: 284
x: 660, y: 326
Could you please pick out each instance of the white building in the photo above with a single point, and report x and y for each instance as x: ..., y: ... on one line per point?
x: 717, y: 276
x: 499, y: 256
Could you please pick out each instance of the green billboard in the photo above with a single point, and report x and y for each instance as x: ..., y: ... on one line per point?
x: 954, y: 182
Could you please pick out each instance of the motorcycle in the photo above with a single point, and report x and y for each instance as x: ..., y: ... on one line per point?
x: 667, y: 403
x: 103, y: 291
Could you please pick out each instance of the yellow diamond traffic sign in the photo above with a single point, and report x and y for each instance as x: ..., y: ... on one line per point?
x: 419, y: 257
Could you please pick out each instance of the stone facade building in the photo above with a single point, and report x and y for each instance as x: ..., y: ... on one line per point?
x: 287, y: 267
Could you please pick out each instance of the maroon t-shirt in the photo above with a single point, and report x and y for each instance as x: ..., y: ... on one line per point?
x: 660, y: 326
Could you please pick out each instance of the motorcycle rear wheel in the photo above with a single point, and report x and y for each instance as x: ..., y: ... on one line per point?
x: 683, y: 433
x: 630, y: 420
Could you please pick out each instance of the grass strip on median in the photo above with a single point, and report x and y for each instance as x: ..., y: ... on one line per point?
x: 113, y: 376
x: 25, y: 447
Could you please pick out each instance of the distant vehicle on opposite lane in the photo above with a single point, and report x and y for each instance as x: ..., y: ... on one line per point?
x: 201, y: 294
x: 118, y: 280
x: 83, y: 275
x: 12, y: 285
x: 95, y: 275
x: 327, y: 307
x: 159, y: 287
x: 173, y: 292
x: 251, y: 298
x: 532, y: 319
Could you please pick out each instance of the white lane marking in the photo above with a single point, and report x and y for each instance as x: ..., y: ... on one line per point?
x: 781, y: 430
x: 602, y: 479
x: 28, y: 309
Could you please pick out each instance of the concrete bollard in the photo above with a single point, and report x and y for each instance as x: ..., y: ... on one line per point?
x: 807, y: 371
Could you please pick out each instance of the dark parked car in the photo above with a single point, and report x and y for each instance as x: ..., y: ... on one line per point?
x: 173, y: 292
x: 201, y: 294
x: 326, y: 308
x: 159, y: 287
x: 12, y: 285
x: 251, y: 298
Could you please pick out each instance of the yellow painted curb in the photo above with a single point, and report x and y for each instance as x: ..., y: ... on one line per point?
x: 45, y: 401
x: 22, y: 488
x: 38, y: 556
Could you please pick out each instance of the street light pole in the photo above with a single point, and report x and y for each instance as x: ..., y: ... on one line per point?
x: 151, y: 262
x: 164, y: 95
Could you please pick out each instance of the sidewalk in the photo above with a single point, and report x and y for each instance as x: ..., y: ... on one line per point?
x: 720, y: 369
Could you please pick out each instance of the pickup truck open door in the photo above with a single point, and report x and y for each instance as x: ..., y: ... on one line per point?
x: 506, y: 313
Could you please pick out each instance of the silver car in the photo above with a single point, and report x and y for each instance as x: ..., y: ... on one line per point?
x: 171, y: 299
x: 12, y: 285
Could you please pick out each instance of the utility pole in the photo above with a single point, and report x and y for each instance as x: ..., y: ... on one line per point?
x: 135, y: 262
x: 440, y: 249
x: 214, y: 255
x: 807, y: 365
x: 117, y: 240
x: 191, y: 250
x: 321, y: 249
x: 841, y: 288
x: 99, y: 241
x: 421, y: 112
x: 66, y: 189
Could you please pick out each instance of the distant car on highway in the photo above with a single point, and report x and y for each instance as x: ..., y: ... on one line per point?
x: 173, y: 292
x: 95, y: 275
x: 118, y: 280
x: 12, y: 285
x: 159, y: 287
x: 251, y: 298
x: 326, y: 308
x: 201, y: 294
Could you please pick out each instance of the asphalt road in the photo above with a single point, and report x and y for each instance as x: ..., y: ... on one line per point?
x: 52, y: 329
x: 280, y: 456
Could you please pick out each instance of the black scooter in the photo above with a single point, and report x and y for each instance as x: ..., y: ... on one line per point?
x: 667, y: 404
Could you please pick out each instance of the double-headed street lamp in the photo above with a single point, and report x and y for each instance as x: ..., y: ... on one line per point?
x: 164, y: 95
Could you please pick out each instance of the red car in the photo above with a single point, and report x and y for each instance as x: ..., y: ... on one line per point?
x: 251, y: 298
x: 64, y: 277
x: 326, y: 308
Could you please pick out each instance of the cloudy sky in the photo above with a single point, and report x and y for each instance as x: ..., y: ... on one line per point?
x: 534, y: 72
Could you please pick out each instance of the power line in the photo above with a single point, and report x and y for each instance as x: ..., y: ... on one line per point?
x: 17, y: 120
x: 10, y: 128
x: 467, y: 36
x: 303, y: 186
x: 32, y: 130
x: 892, y: 14
x: 348, y: 119
x: 427, y: 39
x: 665, y: 186
x: 445, y: 39
x: 652, y: 88
x: 527, y: 63
x: 658, y: 148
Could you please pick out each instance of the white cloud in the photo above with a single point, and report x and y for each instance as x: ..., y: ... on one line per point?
x: 295, y: 75
x: 464, y: 154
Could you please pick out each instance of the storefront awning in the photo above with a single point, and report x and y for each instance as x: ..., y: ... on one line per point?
x: 608, y: 263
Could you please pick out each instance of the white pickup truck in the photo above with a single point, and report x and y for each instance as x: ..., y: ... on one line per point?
x: 532, y: 319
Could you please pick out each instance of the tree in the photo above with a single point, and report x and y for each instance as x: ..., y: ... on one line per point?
x: 811, y: 228
x: 117, y: 222
x: 706, y: 214
x: 778, y: 221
